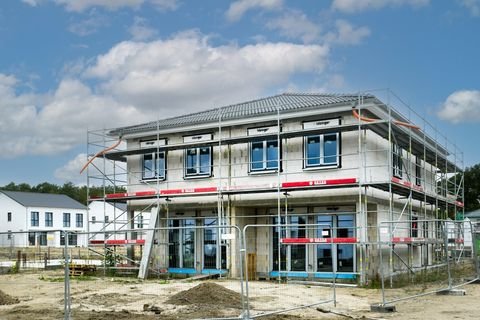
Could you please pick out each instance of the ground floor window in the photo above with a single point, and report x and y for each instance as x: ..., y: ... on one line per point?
x: 181, y: 244
x: 326, y: 257
x: 37, y: 238
x: 72, y: 239
x: 292, y: 258
x: 212, y: 245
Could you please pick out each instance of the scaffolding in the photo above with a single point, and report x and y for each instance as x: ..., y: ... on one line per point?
x: 397, y: 167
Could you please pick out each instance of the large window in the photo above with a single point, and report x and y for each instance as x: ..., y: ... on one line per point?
x: 72, y: 239
x: 79, y: 220
x: 181, y: 243
x: 336, y: 226
x: 154, y: 166
x: 293, y: 257
x: 322, y: 150
x: 397, y: 164
x: 140, y: 221
x: 211, y: 246
x: 198, y: 162
x: 66, y: 220
x: 34, y: 221
x: 264, y: 155
x: 48, y: 219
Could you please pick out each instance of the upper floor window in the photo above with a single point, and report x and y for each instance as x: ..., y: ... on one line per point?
x: 9, y: 216
x: 34, y: 219
x: 154, y: 165
x: 94, y: 219
x: 397, y: 164
x: 198, y: 160
x: 264, y: 155
x: 418, y: 171
x: 79, y: 220
x: 322, y: 149
x: 139, y: 221
x: 66, y: 220
x: 48, y: 219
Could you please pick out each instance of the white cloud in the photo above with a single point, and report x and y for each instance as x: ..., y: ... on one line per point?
x: 295, y: 24
x: 165, y: 5
x: 353, y: 6
x: 186, y: 72
x: 347, y: 34
x: 140, y: 30
x: 473, y: 6
x: 32, y: 3
x: 90, y: 25
x: 238, y: 8
x: 461, y: 106
x: 82, y: 5
x: 137, y: 82
x: 71, y: 170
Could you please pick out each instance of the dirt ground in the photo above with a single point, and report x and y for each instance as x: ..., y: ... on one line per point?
x: 40, y: 296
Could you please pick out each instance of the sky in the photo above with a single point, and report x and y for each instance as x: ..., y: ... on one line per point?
x: 69, y: 66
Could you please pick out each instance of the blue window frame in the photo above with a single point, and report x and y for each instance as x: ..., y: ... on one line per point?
x: 198, y: 162
x: 322, y: 150
x: 34, y: 221
x: 66, y: 220
x: 48, y: 219
x: 154, y: 166
x: 79, y: 220
x: 264, y: 155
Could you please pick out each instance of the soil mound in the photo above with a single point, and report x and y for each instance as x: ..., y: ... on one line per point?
x: 6, y: 299
x: 208, y: 293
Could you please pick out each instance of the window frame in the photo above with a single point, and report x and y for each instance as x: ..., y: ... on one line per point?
x: 155, y: 156
x: 34, y: 218
x: 265, y: 160
x: 418, y: 171
x: 77, y: 220
x: 397, y: 163
x: 67, y: 222
x: 321, y: 156
x: 48, y: 219
x: 198, y: 166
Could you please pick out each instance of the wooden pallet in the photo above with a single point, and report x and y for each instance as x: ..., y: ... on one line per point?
x: 81, y: 269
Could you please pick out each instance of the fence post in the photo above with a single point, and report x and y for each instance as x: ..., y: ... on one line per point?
x: 445, y: 241
x: 66, y: 296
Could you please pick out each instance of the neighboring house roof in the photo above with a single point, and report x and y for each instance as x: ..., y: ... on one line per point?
x: 473, y: 214
x: 286, y: 102
x: 43, y: 200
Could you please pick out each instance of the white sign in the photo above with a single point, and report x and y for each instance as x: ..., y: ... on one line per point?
x: 228, y: 236
x: 152, y: 143
x: 321, y: 123
x: 198, y: 137
x: 262, y: 130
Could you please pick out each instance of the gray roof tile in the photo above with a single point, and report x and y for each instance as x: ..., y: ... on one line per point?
x: 287, y: 102
x: 43, y: 200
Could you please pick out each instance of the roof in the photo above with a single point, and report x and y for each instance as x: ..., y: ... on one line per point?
x: 286, y: 102
x: 43, y: 200
x: 473, y: 214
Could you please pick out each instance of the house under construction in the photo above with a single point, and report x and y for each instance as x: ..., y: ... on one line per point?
x: 331, y: 168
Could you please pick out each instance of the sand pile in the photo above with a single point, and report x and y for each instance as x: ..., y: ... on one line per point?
x: 6, y: 299
x: 208, y: 293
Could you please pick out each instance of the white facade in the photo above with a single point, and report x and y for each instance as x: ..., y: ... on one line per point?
x: 40, y: 226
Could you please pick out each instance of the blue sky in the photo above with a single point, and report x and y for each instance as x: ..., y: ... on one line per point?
x: 67, y: 66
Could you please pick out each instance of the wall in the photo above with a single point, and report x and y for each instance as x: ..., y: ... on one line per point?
x: 18, y: 223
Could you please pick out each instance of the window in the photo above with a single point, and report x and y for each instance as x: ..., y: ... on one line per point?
x: 107, y: 219
x: 79, y: 220
x: 295, y: 257
x: 66, y: 220
x: 397, y: 161
x: 9, y: 216
x: 418, y: 171
x: 31, y: 238
x: 414, y: 227
x: 42, y: 238
x: 198, y: 162
x: 181, y: 243
x: 94, y: 219
x: 72, y: 239
x: 264, y: 155
x: 9, y: 235
x: 34, y: 219
x: 48, y: 219
x: 322, y: 150
x: 154, y: 166
x: 139, y: 221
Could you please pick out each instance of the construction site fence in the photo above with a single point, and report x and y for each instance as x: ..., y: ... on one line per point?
x: 422, y: 257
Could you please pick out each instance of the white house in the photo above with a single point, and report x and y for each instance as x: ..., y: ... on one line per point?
x: 111, y: 220
x: 346, y: 162
x: 37, y: 219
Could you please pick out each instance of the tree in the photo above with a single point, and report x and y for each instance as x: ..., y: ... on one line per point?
x: 472, y: 187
